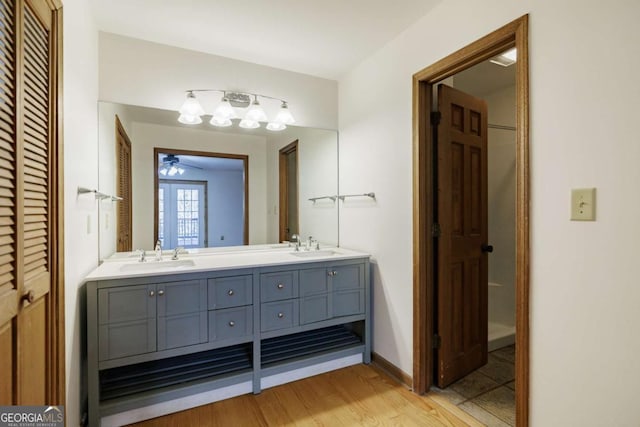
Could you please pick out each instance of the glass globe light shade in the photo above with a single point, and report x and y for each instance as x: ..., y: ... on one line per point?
x: 191, y: 106
x: 284, y: 115
x: 188, y: 119
x: 249, y: 124
x: 275, y: 126
x: 220, y: 122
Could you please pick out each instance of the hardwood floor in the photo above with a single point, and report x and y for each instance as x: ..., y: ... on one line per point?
x: 355, y: 396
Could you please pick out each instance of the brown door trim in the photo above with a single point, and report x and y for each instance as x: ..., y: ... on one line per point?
x: 512, y: 34
x: 126, y: 201
x: 57, y: 380
x: 284, y: 188
x: 156, y: 165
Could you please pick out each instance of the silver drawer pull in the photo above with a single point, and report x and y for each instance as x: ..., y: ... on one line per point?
x: 230, y: 293
x: 151, y: 293
x: 280, y: 286
x: 232, y: 323
x: 160, y: 293
x: 335, y: 273
x: 332, y: 273
x: 280, y: 315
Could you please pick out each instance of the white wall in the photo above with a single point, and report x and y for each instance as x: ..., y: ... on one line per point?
x: 146, y: 136
x: 584, y: 289
x: 317, y: 176
x: 80, y: 38
x: 148, y: 74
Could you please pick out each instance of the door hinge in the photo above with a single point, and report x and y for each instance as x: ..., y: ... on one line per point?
x: 435, y: 118
x: 436, y: 231
x: 436, y: 341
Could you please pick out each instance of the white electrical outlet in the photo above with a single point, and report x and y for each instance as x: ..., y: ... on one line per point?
x: 583, y: 204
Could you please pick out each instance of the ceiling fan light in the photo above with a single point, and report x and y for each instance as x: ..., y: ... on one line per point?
x: 191, y: 106
x: 180, y: 170
x: 220, y: 122
x: 172, y: 170
x: 225, y: 110
x: 255, y: 112
x: 276, y: 126
x: 284, y: 115
x: 249, y: 124
x: 188, y: 119
x: 162, y: 170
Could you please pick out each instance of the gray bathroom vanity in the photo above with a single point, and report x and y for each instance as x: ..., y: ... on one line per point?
x: 161, y: 340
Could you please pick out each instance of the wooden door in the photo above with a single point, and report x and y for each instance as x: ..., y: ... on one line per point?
x: 462, y: 216
x: 289, y: 191
x: 123, y: 174
x: 30, y: 353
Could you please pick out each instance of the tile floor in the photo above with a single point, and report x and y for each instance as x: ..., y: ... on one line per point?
x: 488, y: 394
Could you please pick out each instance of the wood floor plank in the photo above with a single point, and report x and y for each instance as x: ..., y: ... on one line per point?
x: 355, y: 396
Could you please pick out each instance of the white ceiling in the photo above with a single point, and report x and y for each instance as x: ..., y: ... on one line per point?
x: 321, y: 38
x: 485, y: 78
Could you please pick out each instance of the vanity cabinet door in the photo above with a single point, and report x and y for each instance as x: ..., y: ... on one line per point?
x: 347, y: 277
x: 182, y: 313
x: 127, y: 321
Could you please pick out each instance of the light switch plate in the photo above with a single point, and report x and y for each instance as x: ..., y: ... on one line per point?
x: 583, y: 204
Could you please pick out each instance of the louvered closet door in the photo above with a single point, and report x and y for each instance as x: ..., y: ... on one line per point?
x: 25, y: 200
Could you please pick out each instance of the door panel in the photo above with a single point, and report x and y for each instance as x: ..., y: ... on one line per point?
x: 6, y: 365
x: 32, y: 335
x: 124, y: 206
x: 462, y: 215
x: 30, y: 346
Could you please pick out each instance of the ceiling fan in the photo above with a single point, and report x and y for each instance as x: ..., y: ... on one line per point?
x: 171, y: 166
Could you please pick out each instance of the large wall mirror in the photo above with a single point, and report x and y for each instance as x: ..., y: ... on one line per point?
x: 200, y: 186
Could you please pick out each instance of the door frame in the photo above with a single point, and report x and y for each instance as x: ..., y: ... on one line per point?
x: 284, y: 188
x: 514, y: 34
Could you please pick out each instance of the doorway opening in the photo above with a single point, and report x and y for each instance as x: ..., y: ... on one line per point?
x: 425, y: 197
x: 201, y: 199
x: 288, y: 183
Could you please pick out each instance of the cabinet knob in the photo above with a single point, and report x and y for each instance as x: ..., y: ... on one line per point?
x: 230, y: 292
x: 160, y: 292
x: 280, y: 315
x: 29, y: 297
x: 332, y: 273
x: 335, y: 273
x: 280, y: 286
x: 151, y: 293
x: 232, y: 323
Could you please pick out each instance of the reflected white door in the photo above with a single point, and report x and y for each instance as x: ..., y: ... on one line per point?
x: 182, y: 214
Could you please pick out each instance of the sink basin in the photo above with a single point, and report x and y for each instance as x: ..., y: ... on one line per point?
x: 157, y: 265
x: 313, y: 254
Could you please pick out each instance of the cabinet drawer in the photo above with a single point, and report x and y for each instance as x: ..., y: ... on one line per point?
x: 346, y: 303
x: 227, y: 292
x: 278, y: 286
x: 230, y: 323
x: 315, y: 308
x: 347, y: 277
x: 279, y: 315
x: 313, y: 282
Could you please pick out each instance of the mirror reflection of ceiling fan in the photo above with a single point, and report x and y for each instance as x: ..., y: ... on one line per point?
x: 171, y: 165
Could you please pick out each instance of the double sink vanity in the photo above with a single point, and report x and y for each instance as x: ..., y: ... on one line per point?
x: 166, y: 335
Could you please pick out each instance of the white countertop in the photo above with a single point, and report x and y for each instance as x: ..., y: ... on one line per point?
x: 124, y: 267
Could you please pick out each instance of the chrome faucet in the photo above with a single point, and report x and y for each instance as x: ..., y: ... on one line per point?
x: 142, y: 255
x: 176, y: 251
x: 158, y: 250
x: 309, y: 243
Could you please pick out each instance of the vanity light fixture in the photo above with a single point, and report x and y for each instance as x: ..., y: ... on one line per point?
x: 191, y: 111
